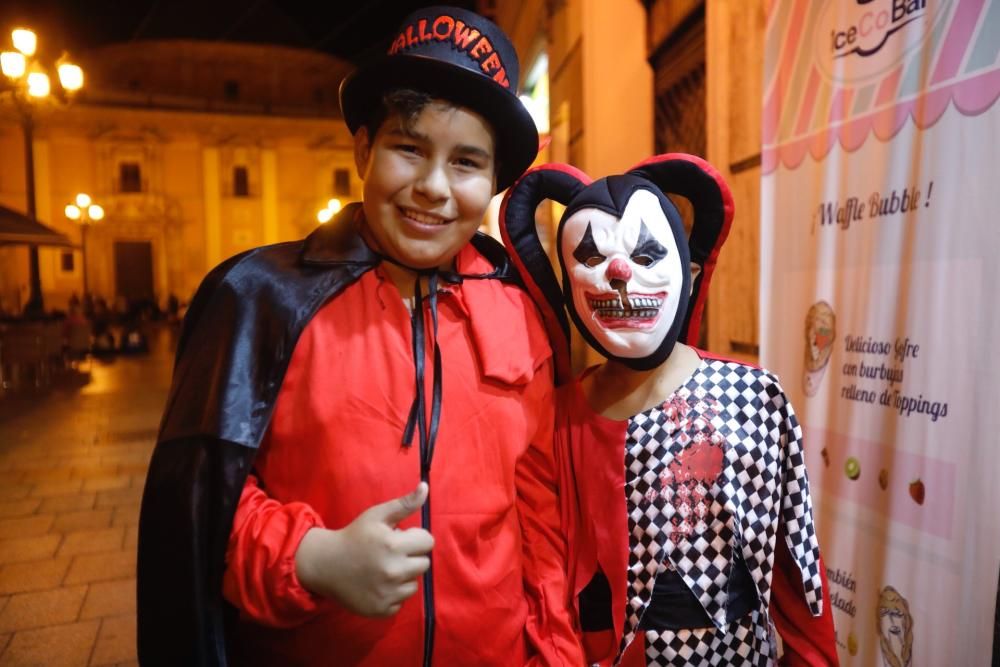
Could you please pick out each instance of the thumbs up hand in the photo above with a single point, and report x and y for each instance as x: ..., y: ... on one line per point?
x: 369, y: 566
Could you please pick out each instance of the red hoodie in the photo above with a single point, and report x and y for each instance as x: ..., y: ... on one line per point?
x: 333, y: 450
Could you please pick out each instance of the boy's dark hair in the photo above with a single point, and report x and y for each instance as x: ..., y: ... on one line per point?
x: 404, y: 102
x: 407, y: 104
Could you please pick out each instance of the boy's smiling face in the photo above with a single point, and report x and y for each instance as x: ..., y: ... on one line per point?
x: 427, y: 183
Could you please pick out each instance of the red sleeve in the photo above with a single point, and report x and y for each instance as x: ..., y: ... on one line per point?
x: 548, y: 628
x: 569, y: 507
x: 808, y: 641
x: 260, y: 578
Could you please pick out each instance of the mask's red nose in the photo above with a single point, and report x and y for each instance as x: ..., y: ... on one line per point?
x: 618, y: 269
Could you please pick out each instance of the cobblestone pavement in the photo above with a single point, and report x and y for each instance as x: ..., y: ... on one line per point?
x: 72, y: 466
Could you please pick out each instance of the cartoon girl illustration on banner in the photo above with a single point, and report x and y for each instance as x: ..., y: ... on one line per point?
x: 895, y: 628
x: 685, y: 493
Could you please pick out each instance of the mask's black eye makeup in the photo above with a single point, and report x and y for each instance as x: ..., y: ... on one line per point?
x: 648, y: 250
x: 586, y: 252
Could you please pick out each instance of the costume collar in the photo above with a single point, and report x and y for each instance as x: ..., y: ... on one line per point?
x: 339, y: 241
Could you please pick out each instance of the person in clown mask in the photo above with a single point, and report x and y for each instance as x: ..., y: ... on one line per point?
x: 685, y: 494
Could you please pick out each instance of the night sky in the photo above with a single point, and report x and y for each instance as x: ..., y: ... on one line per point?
x: 356, y: 30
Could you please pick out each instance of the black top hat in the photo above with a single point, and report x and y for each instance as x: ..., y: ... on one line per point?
x: 461, y: 57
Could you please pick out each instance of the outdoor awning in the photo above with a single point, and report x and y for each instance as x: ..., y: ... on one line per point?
x: 18, y: 229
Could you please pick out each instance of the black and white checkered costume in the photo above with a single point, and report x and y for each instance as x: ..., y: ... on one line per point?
x: 688, y: 517
x: 746, y: 641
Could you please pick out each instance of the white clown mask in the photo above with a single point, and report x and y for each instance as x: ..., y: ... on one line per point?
x: 624, y: 253
x: 626, y: 275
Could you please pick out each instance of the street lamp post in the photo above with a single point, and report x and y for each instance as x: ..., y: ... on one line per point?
x: 28, y: 83
x: 84, y: 211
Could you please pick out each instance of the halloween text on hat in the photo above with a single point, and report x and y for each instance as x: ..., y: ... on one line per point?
x: 466, y: 38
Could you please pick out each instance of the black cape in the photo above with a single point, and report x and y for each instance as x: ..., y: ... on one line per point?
x: 235, y: 346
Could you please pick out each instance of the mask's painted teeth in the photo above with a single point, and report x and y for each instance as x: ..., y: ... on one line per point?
x: 618, y: 313
x: 423, y: 218
x: 639, y: 304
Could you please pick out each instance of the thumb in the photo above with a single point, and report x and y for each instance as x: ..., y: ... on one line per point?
x: 397, y: 509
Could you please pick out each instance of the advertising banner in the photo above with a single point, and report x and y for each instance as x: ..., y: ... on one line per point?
x: 880, y: 260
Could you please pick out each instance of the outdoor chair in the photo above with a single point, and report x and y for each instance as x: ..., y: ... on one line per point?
x: 23, y: 353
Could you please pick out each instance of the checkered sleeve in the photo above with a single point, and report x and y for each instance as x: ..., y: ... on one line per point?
x: 796, y: 503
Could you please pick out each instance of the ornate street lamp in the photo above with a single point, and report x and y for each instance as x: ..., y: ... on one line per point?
x: 85, y: 212
x: 324, y: 215
x: 27, y: 84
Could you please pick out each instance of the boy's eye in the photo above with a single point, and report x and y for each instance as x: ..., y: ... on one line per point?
x: 407, y: 148
x: 468, y: 163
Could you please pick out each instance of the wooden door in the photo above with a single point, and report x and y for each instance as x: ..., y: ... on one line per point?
x: 134, y: 270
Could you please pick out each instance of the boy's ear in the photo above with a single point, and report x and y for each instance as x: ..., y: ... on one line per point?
x: 362, y: 151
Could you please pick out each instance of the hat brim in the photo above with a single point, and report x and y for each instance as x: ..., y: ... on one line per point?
x: 513, y: 127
